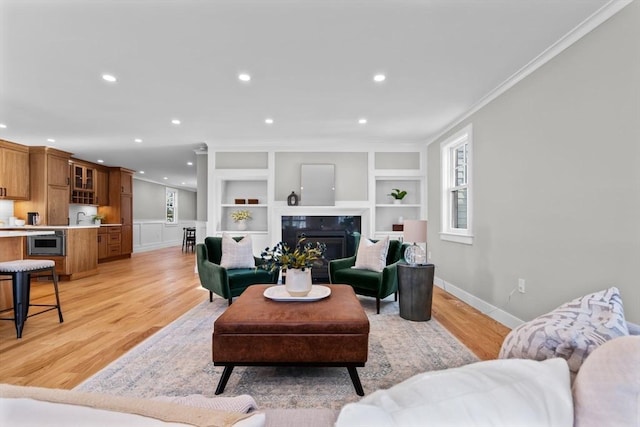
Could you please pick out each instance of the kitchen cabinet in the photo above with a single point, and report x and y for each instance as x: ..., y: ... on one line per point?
x: 49, y: 186
x: 120, y: 208
x: 81, y: 259
x: 14, y: 171
x: 83, y: 181
x: 102, y: 187
x: 109, y: 242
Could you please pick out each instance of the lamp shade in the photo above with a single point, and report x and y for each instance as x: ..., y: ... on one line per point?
x: 415, y: 230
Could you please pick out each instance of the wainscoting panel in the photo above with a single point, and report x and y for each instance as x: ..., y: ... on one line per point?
x: 150, y: 235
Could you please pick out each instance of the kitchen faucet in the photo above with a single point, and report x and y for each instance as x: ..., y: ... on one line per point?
x: 78, y: 217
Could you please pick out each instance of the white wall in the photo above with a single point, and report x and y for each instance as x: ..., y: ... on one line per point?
x: 557, y: 182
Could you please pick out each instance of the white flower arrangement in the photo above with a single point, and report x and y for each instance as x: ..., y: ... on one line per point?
x: 240, y: 215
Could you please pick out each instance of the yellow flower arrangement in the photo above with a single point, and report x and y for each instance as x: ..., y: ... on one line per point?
x: 242, y: 214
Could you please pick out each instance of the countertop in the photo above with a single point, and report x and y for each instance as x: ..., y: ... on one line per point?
x: 23, y: 233
x: 46, y: 227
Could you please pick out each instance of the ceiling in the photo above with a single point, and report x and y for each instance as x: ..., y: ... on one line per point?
x: 311, y: 63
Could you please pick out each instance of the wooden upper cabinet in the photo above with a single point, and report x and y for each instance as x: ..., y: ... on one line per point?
x: 49, y: 186
x: 102, y: 187
x: 57, y: 170
x: 14, y: 171
x: 126, y: 183
x: 83, y: 177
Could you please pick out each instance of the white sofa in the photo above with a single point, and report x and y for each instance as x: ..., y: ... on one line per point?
x: 512, y: 392
x: 586, y: 340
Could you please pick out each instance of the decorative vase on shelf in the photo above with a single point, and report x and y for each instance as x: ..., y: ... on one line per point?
x: 241, y: 224
x: 397, y: 201
x: 298, y: 283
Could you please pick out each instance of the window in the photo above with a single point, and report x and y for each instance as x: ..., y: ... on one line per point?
x: 457, y: 192
x: 172, y: 206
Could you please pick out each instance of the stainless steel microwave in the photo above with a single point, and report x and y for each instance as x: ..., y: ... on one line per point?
x: 48, y: 244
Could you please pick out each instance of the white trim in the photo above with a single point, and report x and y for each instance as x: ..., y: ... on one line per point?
x: 496, y: 313
x: 457, y: 238
x: 581, y: 30
x: 463, y: 136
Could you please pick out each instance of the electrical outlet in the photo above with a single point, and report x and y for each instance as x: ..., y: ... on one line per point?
x: 429, y: 255
x: 521, y: 286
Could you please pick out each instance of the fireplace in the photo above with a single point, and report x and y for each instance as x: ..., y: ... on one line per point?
x: 337, y: 232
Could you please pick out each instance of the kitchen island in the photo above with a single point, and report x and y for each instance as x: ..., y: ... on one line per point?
x: 12, y: 247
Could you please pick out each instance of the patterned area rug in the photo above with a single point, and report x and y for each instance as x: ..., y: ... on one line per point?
x: 176, y: 361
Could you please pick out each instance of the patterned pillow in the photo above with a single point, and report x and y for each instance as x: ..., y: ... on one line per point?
x: 237, y: 254
x: 571, y: 331
x: 372, y: 256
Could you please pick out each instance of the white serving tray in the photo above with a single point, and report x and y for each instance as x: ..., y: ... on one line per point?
x: 279, y: 293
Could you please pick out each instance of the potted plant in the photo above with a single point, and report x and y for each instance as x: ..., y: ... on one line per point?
x: 297, y: 263
x: 398, y: 195
x: 241, y: 217
x: 97, y: 219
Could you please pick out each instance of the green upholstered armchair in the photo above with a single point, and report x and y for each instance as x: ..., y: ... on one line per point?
x: 227, y: 283
x: 369, y: 283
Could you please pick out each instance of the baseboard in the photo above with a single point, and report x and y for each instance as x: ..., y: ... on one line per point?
x: 154, y: 246
x: 487, y: 309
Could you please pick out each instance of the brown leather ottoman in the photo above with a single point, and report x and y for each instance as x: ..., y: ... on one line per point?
x: 255, y: 330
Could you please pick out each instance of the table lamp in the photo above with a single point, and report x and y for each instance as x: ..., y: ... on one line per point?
x: 415, y: 230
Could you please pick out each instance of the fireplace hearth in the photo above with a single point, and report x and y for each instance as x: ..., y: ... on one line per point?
x: 336, y: 232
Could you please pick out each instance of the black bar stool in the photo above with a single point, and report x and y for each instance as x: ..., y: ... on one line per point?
x: 188, y: 239
x: 20, y: 272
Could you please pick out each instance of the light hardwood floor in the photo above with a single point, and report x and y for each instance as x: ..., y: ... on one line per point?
x: 129, y: 300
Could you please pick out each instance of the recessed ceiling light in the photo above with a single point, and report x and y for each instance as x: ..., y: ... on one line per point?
x: 378, y: 78
x: 189, y: 163
x: 142, y: 172
x: 184, y: 183
x: 100, y: 161
x: 137, y: 140
x: 165, y: 178
x: 109, y: 78
x: 268, y: 121
x: 362, y: 121
x: 176, y: 121
x: 244, y: 77
x: 51, y: 140
x: 3, y: 126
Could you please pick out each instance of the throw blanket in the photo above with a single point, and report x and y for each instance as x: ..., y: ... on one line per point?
x: 164, y: 411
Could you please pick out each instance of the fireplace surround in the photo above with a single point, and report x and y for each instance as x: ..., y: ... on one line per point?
x: 335, y: 231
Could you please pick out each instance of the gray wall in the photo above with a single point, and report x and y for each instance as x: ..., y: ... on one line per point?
x: 149, y: 202
x: 351, y: 172
x: 557, y: 181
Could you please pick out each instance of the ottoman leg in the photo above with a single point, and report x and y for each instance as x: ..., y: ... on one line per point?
x: 225, y: 377
x: 356, y: 380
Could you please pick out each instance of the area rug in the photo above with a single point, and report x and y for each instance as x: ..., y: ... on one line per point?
x: 176, y: 361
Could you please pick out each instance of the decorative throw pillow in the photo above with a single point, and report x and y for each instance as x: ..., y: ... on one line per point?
x: 571, y: 331
x: 502, y: 393
x: 237, y: 254
x: 372, y: 256
x: 606, y: 390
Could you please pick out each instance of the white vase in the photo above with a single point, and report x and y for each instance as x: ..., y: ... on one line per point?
x: 298, y: 283
x: 241, y: 224
x: 397, y: 201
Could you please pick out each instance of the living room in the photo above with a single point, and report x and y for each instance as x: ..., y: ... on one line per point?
x: 555, y: 187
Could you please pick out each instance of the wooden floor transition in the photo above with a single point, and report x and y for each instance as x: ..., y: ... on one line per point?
x: 129, y: 300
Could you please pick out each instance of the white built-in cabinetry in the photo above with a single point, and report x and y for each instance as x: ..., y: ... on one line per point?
x: 378, y: 210
x: 244, y: 185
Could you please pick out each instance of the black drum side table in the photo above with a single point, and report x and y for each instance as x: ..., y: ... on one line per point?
x: 415, y: 286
